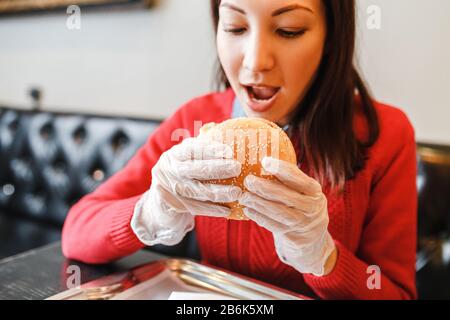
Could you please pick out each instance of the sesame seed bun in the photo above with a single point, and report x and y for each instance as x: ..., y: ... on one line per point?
x: 251, y: 140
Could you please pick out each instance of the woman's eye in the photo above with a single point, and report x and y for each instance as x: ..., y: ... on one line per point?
x: 291, y: 34
x: 283, y: 33
x: 235, y: 31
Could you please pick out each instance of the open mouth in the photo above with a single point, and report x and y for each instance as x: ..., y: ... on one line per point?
x: 261, y: 94
x: 261, y: 98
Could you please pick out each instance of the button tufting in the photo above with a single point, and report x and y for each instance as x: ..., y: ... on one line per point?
x: 50, y: 160
x: 98, y: 175
x: 47, y: 131
x: 8, y: 189
x: 79, y: 135
x: 119, y: 141
x: 13, y: 125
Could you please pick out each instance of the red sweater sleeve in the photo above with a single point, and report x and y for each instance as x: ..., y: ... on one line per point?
x: 389, y: 235
x: 97, y: 228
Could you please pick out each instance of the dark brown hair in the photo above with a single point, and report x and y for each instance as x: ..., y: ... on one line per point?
x: 324, y: 118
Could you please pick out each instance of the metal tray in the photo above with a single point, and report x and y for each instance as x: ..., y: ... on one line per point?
x: 159, y: 279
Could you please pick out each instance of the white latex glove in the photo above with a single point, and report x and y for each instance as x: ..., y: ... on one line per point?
x: 295, y: 211
x: 165, y: 213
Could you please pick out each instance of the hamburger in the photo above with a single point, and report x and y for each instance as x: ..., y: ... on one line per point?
x: 251, y: 139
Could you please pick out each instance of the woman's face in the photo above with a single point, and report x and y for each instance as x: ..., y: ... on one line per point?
x: 270, y: 51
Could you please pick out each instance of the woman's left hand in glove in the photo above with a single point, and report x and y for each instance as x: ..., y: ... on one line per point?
x: 295, y: 210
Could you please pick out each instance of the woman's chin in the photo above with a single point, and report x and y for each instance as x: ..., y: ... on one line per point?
x: 270, y: 115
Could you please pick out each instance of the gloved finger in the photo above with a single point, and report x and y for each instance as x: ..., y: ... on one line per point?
x: 264, y: 221
x: 194, y: 148
x: 174, y: 205
x: 162, y: 174
x: 276, y: 191
x: 202, y: 208
x: 208, y: 169
x: 276, y: 211
x: 291, y: 175
x: 197, y: 190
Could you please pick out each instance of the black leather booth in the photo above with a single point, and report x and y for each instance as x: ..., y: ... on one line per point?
x: 433, y: 257
x: 49, y: 160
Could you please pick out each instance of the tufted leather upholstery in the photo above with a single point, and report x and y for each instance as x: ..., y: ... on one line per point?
x: 433, y: 259
x: 50, y: 160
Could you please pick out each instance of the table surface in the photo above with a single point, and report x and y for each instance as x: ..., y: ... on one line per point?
x: 40, y: 273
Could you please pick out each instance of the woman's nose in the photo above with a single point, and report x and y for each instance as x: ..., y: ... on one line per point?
x: 258, y: 55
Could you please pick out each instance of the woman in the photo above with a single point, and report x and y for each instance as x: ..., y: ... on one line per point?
x: 341, y: 224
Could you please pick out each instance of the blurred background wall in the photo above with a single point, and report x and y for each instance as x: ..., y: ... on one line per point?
x: 407, y: 61
x: 149, y: 62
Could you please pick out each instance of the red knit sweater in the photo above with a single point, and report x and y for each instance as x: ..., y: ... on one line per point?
x: 373, y: 222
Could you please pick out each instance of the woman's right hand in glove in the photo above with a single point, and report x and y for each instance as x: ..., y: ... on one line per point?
x: 165, y: 213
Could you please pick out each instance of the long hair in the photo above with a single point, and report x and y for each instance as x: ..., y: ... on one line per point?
x: 323, y: 120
